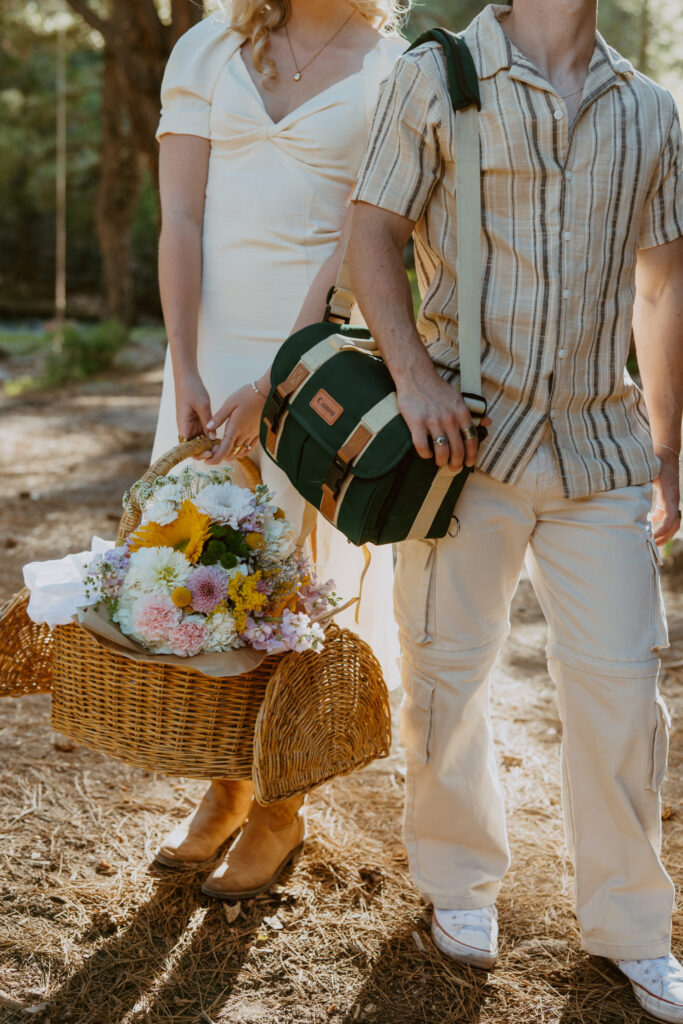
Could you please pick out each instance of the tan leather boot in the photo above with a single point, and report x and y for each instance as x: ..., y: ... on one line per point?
x: 196, y: 840
x: 271, y: 837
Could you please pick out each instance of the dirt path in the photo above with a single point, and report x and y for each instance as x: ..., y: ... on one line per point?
x: 87, y: 927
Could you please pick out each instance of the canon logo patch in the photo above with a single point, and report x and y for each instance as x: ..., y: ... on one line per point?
x: 326, y: 407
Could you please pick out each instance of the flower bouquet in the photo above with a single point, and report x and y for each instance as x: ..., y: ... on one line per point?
x: 212, y: 567
x: 194, y: 645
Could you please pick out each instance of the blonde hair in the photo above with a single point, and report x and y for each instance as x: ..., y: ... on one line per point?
x: 256, y: 19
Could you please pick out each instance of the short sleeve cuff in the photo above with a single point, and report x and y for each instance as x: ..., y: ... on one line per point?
x: 394, y: 201
x: 186, y: 117
x: 672, y: 230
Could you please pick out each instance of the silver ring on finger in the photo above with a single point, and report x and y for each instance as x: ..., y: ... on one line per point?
x: 441, y: 441
x: 469, y: 433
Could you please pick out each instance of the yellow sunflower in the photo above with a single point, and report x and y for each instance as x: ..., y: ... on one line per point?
x: 188, y: 533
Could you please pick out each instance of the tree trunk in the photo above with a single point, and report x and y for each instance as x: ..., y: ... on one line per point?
x: 119, y: 191
x: 141, y: 43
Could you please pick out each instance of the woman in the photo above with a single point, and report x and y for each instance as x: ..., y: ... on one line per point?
x: 264, y: 122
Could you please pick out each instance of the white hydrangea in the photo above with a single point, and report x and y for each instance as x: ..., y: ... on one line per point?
x: 155, y: 571
x: 165, y: 505
x: 225, y: 503
x: 161, y: 512
x: 222, y: 632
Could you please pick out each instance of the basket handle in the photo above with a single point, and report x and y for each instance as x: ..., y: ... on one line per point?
x: 185, y: 450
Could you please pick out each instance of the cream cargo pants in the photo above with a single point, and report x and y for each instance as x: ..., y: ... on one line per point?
x: 594, y: 568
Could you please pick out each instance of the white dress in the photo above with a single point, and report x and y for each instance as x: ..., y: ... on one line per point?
x: 276, y: 196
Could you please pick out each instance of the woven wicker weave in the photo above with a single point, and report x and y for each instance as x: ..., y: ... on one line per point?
x: 323, y: 715
x: 156, y: 716
x: 25, y: 650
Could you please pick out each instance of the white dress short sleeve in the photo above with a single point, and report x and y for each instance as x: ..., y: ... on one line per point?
x: 192, y: 71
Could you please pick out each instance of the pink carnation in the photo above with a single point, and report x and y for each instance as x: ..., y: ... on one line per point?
x: 209, y: 586
x: 189, y: 637
x: 154, y: 616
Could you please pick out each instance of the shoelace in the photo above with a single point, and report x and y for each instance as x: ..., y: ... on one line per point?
x: 659, y: 969
x: 470, y: 918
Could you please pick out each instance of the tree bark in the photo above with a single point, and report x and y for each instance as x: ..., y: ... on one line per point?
x: 137, y: 45
x: 117, y: 200
x: 140, y: 43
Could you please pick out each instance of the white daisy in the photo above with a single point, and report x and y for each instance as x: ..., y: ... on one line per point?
x: 156, y: 571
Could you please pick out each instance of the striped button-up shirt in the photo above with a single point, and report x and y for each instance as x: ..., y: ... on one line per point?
x: 565, y: 209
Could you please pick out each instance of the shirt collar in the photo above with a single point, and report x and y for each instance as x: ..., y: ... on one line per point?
x: 492, y: 51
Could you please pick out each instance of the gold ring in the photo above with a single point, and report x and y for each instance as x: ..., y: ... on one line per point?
x: 470, y: 432
x: 181, y: 439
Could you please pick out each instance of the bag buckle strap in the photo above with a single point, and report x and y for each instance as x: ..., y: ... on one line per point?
x: 331, y: 487
x: 277, y: 401
x: 339, y: 304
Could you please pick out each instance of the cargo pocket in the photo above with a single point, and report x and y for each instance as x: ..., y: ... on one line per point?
x: 659, y: 753
x: 414, y: 586
x: 659, y: 634
x: 416, y: 714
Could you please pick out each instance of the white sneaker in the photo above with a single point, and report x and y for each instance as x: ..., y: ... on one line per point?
x: 468, y: 936
x: 657, y: 985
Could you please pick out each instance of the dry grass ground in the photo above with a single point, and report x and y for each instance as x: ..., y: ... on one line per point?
x: 88, y: 928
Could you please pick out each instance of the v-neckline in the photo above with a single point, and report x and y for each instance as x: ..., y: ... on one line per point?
x: 300, y: 106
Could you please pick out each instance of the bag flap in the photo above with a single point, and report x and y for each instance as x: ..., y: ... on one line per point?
x: 341, y: 392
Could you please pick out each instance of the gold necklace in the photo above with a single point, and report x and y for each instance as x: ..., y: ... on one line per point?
x: 571, y: 93
x: 300, y: 70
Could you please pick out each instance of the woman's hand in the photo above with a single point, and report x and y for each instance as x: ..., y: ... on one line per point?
x: 193, y: 408
x: 241, y: 413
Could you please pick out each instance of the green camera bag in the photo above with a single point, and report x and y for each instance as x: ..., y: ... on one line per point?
x: 331, y: 419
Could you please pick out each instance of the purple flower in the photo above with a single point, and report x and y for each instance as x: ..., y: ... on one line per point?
x: 209, y: 586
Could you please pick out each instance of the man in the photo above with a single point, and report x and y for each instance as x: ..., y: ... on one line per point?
x: 582, y: 203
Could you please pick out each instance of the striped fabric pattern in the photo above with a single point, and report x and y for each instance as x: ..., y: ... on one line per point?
x: 564, y: 211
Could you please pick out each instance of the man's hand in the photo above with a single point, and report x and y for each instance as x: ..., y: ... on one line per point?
x: 666, y: 518
x: 432, y: 408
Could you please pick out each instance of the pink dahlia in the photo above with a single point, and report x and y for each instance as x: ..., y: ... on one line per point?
x: 209, y: 586
x: 154, y: 616
x: 189, y: 637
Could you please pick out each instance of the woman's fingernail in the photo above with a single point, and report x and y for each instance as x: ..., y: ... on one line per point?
x: 212, y: 435
x: 210, y: 425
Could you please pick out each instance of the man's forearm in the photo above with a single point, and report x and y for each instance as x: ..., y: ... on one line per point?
x: 381, y: 286
x: 433, y: 410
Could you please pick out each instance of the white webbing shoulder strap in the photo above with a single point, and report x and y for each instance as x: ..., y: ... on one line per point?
x: 468, y: 256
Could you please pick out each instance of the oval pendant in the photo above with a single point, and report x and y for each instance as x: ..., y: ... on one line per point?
x: 297, y: 76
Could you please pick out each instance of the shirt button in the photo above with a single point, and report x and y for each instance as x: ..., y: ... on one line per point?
x: 562, y: 353
x: 558, y: 115
x: 566, y: 293
x: 567, y: 236
x: 569, y: 175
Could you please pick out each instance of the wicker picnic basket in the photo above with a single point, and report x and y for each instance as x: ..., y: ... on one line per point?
x: 291, y: 723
